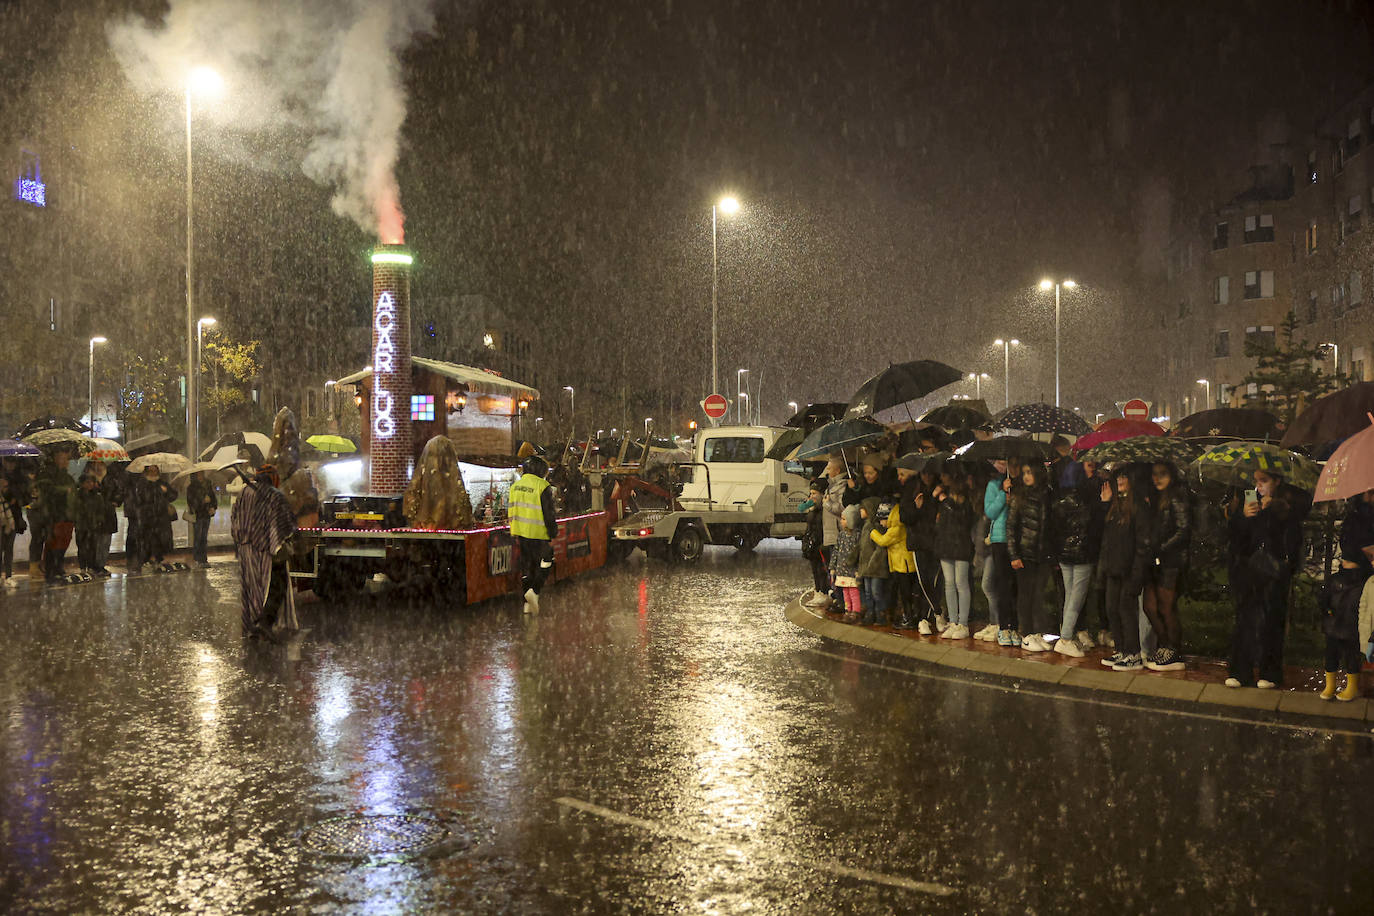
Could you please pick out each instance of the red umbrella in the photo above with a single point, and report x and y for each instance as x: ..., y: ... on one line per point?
x: 1350, y: 469
x: 1115, y: 429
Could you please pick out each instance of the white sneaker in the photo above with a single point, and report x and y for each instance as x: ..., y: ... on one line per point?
x: 1232, y: 682
x: 817, y: 599
x: 962, y: 631
x: 923, y: 627
x: 951, y: 632
x: 987, y: 634
x: 941, y: 624
x: 1105, y: 638
x: 1033, y: 643
x: 1068, y: 647
x: 531, y: 601
x: 1262, y: 684
x: 1085, y: 640
x: 11, y: 582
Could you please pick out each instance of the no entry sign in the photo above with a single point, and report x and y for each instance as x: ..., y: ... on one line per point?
x: 1135, y: 409
x: 715, y: 406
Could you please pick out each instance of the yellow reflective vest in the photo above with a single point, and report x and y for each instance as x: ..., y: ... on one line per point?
x: 526, y: 507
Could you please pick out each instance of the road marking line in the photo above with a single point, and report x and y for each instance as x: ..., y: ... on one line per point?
x: 1093, y: 701
x: 753, y: 851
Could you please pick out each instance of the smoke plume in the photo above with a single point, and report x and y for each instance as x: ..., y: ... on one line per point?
x: 318, y: 81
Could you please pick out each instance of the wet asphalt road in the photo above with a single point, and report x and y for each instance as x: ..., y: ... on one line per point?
x: 657, y: 740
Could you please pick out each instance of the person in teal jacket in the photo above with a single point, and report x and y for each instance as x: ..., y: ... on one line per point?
x: 997, y: 573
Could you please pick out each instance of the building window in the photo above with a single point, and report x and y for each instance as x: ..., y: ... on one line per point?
x: 1337, y: 300
x: 1354, y: 293
x: 1261, y: 337
x: 310, y: 402
x: 1312, y: 235
x: 1353, y: 209
x: 1311, y: 306
x: 1338, y: 160
x: 1352, y: 138
x: 1259, y: 284
x: 421, y: 407
x: 1312, y: 162
x: 1357, y: 361
x: 1220, y: 235
x: 1221, y: 291
x: 1223, y: 344
x: 1259, y: 228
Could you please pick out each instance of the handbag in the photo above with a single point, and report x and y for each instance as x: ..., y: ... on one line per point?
x: 188, y: 516
x: 1262, y: 565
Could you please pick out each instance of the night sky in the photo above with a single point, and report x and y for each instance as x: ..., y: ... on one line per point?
x: 908, y: 172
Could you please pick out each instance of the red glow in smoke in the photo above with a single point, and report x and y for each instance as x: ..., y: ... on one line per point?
x: 391, y: 222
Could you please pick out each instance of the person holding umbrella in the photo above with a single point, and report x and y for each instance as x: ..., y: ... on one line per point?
x: 111, y: 496
x: 152, y: 502
x: 202, y: 504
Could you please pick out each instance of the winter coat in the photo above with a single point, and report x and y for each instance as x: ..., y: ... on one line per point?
x: 1277, y: 529
x: 151, y: 501
x: 954, y: 521
x: 872, y: 558
x: 815, y: 529
x: 56, y: 500
x: 995, y: 508
x: 1076, y: 519
x: 200, y: 498
x: 7, y: 517
x: 831, y: 507
x: 14, y: 504
x: 920, y: 529
x: 1172, y: 532
x: 844, y: 562
x: 91, y: 508
x: 1028, y: 527
x: 1357, y: 533
x: 883, y: 487
x: 894, y: 539
x: 1126, y: 545
x: 1340, y: 603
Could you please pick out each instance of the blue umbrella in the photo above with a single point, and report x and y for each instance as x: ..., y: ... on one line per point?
x: 840, y: 434
x: 11, y: 448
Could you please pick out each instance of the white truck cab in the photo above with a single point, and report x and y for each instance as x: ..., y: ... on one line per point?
x: 734, y: 496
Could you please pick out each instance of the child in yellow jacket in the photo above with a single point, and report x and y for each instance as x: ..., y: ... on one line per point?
x: 891, y: 533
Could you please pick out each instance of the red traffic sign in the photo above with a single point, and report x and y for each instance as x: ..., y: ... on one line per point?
x: 1135, y: 409
x: 715, y: 406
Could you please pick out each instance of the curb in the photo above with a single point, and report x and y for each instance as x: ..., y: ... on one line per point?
x: 1160, y: 685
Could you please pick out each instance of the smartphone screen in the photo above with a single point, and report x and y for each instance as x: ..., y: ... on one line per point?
x: 1252, y: 496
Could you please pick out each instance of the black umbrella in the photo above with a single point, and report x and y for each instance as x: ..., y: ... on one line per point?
x: 1338, y: 415
x: 1230, y: 423
x: 956, y: 416
x: 1044, y: 418
x: 899, y: 384
x: 813, y: 416
x: 785, y: 443
x: 841, y: 434
x: 51, y: 422
x: 1007, y: 447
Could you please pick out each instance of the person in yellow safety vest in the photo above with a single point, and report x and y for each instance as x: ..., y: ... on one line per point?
x: 533, y: 524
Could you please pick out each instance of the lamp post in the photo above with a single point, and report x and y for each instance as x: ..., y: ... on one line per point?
x: 1006, y: 346
x: 1047, y: 285
x: 90, y: 381
x: 330, y: 391
x: 793, y: 405
x: 1335, y: 358
x: 201, y: 324
x: 1208, y: 383
x: 728, y: 206
x: 200, y: 79
x: 648, y: 426
x: 977, y: 378
x: 744, y: 396
x: 743, y: 402
x: 572, y: 409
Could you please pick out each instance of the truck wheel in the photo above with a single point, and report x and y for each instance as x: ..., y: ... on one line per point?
x: 689, y: 544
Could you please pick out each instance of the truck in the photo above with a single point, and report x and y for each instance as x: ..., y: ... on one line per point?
x: 731, y: 495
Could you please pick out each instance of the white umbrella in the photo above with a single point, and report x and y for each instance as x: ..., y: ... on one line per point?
x: 217, y: 473
x: 262, y: 442
x: 166, y: 462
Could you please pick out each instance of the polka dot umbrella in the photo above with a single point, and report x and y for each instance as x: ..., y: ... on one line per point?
x: 1043, y: 418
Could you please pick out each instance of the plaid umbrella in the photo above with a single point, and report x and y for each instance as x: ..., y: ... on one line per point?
x: 832, y: 437
x: 1043, y: 418
x: 1235, y: 464
x: 1350, y: 469
x: 1116, y: 429
x: 107, y: 450
x: 58, y: 438
x: 1152, y: 449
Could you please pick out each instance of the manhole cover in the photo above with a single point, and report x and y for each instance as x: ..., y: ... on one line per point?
x: 367, y: 836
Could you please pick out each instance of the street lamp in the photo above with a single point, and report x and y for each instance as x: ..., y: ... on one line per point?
x: 1335, y: 358
x: 795, y: 408
x: 330, y: 391
x: 90, y: 379
x: 739, y: 386
x: 206, y: 81
x: 572, y: 409
x: 728, y: 206
x: 1208, y: 383
x: 1048, y: 285
x: 743, y: 402
x: 977, y: 379
x: 1006, y: 346
x: 201, y: 324
x: 648, y: 425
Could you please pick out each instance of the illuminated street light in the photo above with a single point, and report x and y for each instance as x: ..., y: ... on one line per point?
x: 1048, y: 285
x: 1208, y: 383
x: 1006, y: 346
x: 202, y: 81
x: 90, y: 392
x: 728, y: 206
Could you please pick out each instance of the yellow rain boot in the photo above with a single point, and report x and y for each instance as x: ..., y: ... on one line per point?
x: 1352, y: 689
x: 1330, y: 691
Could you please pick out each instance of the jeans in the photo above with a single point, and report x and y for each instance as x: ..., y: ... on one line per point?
x: 102, y: 551
x: 902, y: 585
x: 1077, y: 578
x: 200, y: 538
x: 997, y: 586
x: 958, y: 592
x: 874, y: 596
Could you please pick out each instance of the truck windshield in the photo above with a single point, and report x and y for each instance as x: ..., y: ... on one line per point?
x: 734, y: 450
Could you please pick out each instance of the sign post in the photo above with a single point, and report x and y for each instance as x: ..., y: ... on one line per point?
x: 1135, y: 409
x: 715, y: 407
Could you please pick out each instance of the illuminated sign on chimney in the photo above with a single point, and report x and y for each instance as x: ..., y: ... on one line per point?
x: 31, y: 191
x: 383, y: 360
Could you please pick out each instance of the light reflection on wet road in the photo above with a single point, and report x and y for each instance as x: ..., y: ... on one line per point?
x: 707, y: 760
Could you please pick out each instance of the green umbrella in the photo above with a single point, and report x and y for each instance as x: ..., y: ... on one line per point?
x: 337, y: 444
x: 1144, y: 450
x: 1235, y: 464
